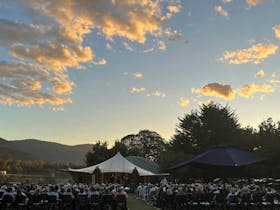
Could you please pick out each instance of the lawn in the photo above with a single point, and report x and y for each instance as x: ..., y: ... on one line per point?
x: 136, y: 204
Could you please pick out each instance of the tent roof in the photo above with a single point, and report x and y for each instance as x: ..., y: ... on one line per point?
x: 144, y: 163
x: 116, y: 164
x: 222, y: 156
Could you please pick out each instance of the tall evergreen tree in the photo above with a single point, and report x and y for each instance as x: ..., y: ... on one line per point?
x: 209, y: 126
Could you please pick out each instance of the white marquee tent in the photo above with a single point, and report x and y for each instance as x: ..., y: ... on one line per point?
x: 116, y: 164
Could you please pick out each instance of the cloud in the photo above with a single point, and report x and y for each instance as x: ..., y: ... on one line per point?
x: 54, y: 56
x: 228, y: 93
x: 174, y: 8
x: 161, y: 45
x: 59, y: 41
x: 183, y: 102
x: 12, y: 32
x: 130, y: 19
x: 137, y: 90
x: 100, y: 62
x: 277, y: 31
x: 57, y: 109
x: 158, y: 93
x: 173, y: 35
x: 217, y: 90
x: 227, y: 1
x: 61, y: 84
x: 249, y: 90
x: 260, y: 73
x: 274, y: 79
x: 254, y: 54
x: 220, y: 10
x: 138, y: 75
x: 128, y: 47
x: 21, y: 84
x: 148, y: 50
x: 253, y: 2
x: 109, y: 46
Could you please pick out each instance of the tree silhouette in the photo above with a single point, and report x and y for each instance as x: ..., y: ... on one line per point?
x: 98, y: 153
x: 146, y: 143
x: 209, y: 126
x: 119, y: 147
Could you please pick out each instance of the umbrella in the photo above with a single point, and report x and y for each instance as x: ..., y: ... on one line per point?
x: 222, y: 156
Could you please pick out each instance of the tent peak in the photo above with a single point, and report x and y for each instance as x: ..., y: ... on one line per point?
x: 118, y: 154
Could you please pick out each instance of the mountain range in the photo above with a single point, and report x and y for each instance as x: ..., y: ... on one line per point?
x: 33, y: 149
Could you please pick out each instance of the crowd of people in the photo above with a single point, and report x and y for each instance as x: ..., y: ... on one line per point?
x: 219, y: 194
x: 69, y: 196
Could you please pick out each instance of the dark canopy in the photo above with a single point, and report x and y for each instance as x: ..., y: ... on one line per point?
x: 222, y: 156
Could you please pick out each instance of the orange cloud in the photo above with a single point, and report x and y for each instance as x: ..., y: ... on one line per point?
x: 277, y: 31
x: 174, y: 8
x: 35, y: 85
x: 23, y: 85
x: 217, y: 90
x: 220, y: 10
x: 254, y: 54
x: 183, y: 102
x: 158, y: 93
x: 253, y: 2
x: 138, y: 75
x: 137, y: 90
x: 61, y: 85
x: 54, y: 56
x: 100, y: 62
x: 248, y: 90
x: 64, y: 46
x: 138, y: 18
x: 260, y: 73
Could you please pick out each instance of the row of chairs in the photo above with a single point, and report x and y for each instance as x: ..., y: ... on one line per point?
x: 182, y: 202
x: 44, y: 201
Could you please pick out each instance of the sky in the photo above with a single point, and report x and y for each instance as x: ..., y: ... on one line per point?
x: 79, y: 71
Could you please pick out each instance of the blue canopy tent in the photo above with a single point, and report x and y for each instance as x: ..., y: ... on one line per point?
x: 222, y: 156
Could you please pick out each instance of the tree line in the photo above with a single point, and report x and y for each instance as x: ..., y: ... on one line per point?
x: 196, y: 132
x: 13, y: 166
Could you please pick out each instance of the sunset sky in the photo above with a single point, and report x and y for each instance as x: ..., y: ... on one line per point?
x: 78, y: 71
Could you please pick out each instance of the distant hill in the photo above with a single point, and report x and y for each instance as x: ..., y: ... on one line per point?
x: 31, y: 149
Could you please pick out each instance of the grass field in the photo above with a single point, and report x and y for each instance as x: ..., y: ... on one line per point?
x: 135, y: 204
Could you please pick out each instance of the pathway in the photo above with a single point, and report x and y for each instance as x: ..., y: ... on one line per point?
x: 137, y: 204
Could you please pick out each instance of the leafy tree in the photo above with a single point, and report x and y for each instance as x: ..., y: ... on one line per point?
x: 247, y: 139
x: 146, y: 143
x: 98, y: 153
x: 119, y: 147
x: 269, y: 139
